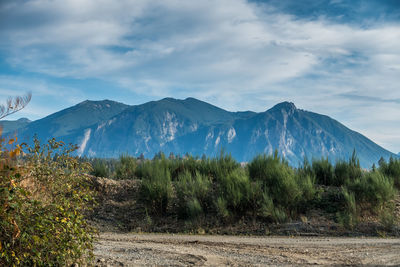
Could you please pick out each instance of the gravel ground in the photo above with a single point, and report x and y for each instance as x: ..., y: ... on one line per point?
x: 115, y: 249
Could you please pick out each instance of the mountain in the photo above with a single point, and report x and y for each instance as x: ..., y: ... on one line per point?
x: 11, y: 126
x: 70, y: 120
x: 107, y: 129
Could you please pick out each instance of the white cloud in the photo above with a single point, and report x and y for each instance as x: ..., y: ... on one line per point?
x: 218, y: 50
x: 47, y: 97
x: 11, y: 86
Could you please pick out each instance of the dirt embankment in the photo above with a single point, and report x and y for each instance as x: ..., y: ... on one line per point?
x: 190, y: 250
x: 119, y: 209
x: 119, y: 213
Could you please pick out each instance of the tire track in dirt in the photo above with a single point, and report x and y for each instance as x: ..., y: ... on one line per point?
x: 186, y: 250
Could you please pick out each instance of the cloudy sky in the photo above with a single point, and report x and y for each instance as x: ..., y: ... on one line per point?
x: 339, y: 58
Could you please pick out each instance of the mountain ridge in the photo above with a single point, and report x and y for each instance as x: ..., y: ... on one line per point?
x: 108, y: 128
x: 9, y: 126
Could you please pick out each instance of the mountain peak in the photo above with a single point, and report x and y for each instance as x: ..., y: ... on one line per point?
x: 105, y: 101
x: 169, y: 99
x: 24, y: 120
x: 192, y: 99
x: 287, y: 106
x: 188, y: 99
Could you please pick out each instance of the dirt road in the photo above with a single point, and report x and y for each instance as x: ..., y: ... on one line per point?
x: 189, y: 250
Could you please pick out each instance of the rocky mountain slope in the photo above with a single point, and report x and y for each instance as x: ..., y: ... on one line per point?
x: 107, y: 129
x: 10, y: 126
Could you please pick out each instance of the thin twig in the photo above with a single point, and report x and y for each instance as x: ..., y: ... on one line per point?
x: 14, y: 104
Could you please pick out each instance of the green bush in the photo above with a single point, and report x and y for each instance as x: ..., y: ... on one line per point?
x: 100, y: 168
x: 306, y: 184
x: 279, y: 215
x: 374, y: 189
x: 43, y: 200
x: 391, y: 169
x: 220, y: 167
x: 194, y: 209
x: 330, y: 200
x: 234, y: 188
x: 342, y: 174
x: 192, y: 192
x: 126, y: 167
x: 323, y: 171
x: 267, y: 188
x: 284, y: 191
x: 147, y: 167
x: 387, y: 217
x: 347, y: 172
x: 278, y: 179
x: 348, y: 214
x: 187, y: 164
x: 221, y: 207
x: 373, y: 193
x: 156, y: 188
x: 259, y: 202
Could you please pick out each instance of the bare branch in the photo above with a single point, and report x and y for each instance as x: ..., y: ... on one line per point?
x: 14, y: 104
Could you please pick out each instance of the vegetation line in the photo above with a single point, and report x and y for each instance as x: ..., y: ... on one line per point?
x: 267, y: 189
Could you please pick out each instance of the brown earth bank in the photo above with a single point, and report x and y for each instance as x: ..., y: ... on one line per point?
x: 119, y: 210
x: 123, y: 249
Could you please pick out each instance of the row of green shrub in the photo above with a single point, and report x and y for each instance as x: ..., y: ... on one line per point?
x: 338, y: 174
x: 221, y: 186
x: 266, y: 188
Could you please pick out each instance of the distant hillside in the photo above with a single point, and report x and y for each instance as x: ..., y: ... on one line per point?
x: 69, y: 120
x: 11, y: 126
x: 107, y: 129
